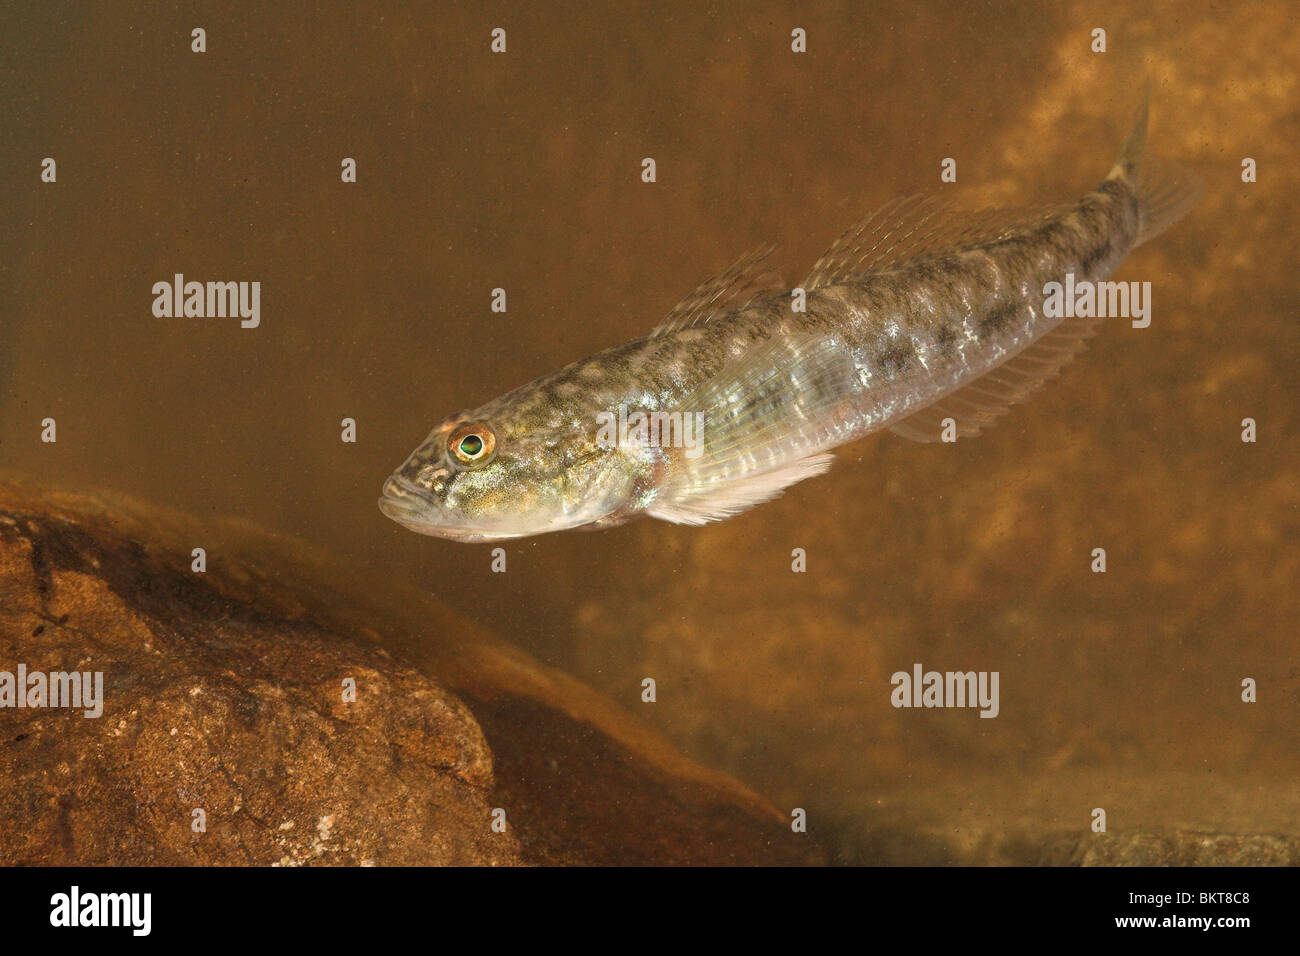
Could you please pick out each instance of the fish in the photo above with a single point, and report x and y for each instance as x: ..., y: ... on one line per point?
x: 922, y: 318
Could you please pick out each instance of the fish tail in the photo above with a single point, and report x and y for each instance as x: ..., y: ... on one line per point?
x: 1130, y: 157
x: 1165, y: 191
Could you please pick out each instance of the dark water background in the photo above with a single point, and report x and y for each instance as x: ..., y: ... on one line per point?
x: 522, y: 171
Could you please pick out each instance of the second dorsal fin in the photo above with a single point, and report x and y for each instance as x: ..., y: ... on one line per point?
x: 915, y: 227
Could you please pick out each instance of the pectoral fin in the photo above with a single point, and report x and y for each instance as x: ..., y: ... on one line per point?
x: 702, y: 503
x: 768, y: 414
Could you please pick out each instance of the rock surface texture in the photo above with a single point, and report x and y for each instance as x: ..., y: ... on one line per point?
x: 225, y: 736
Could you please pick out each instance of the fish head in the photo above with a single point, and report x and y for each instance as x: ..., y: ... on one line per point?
x: 488, y: 475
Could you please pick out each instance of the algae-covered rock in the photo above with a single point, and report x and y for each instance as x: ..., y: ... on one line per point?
x: 237, y: 725
x: 224, y: 735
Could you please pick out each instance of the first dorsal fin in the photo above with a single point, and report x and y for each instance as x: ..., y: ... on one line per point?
x: 748, y: 278
x: 913, y: 228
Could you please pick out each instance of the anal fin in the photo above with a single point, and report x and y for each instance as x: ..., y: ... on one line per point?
x: 977, y: 405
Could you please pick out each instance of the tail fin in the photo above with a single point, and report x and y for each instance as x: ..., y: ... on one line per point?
x: 1166, y: 191
x: 1130, y: 157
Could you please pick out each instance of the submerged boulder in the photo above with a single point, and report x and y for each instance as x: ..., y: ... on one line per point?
x: 256, y: 713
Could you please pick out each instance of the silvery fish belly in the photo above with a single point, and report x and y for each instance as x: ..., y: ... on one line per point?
x: 922, y: 319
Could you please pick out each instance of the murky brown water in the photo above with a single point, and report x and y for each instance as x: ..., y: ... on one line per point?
x: 521, y: 171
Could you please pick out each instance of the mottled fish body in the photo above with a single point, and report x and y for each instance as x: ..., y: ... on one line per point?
x: 917, y: 319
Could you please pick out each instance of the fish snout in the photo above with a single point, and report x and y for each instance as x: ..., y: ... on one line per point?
x: 402, y: 501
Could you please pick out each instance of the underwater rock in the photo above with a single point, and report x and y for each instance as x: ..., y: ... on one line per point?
x: 227, y: 737
x: 224, y: 736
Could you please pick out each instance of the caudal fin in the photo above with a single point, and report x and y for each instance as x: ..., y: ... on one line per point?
x: 1166, y: 191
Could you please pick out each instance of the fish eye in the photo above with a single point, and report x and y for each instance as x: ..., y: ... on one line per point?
x: 471, y: 444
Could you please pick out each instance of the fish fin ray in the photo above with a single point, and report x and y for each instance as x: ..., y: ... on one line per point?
x: 917, y: 227
x: 714, y: 503
x: 978, y: 404
x: 1166, y: 193
x: 748, y: 278
x: 757, y: 440
x: 748, y: 412
x: 1130, y: 156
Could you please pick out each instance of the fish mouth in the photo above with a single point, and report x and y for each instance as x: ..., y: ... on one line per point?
x: 399, y: 511
x: 403, y: 503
